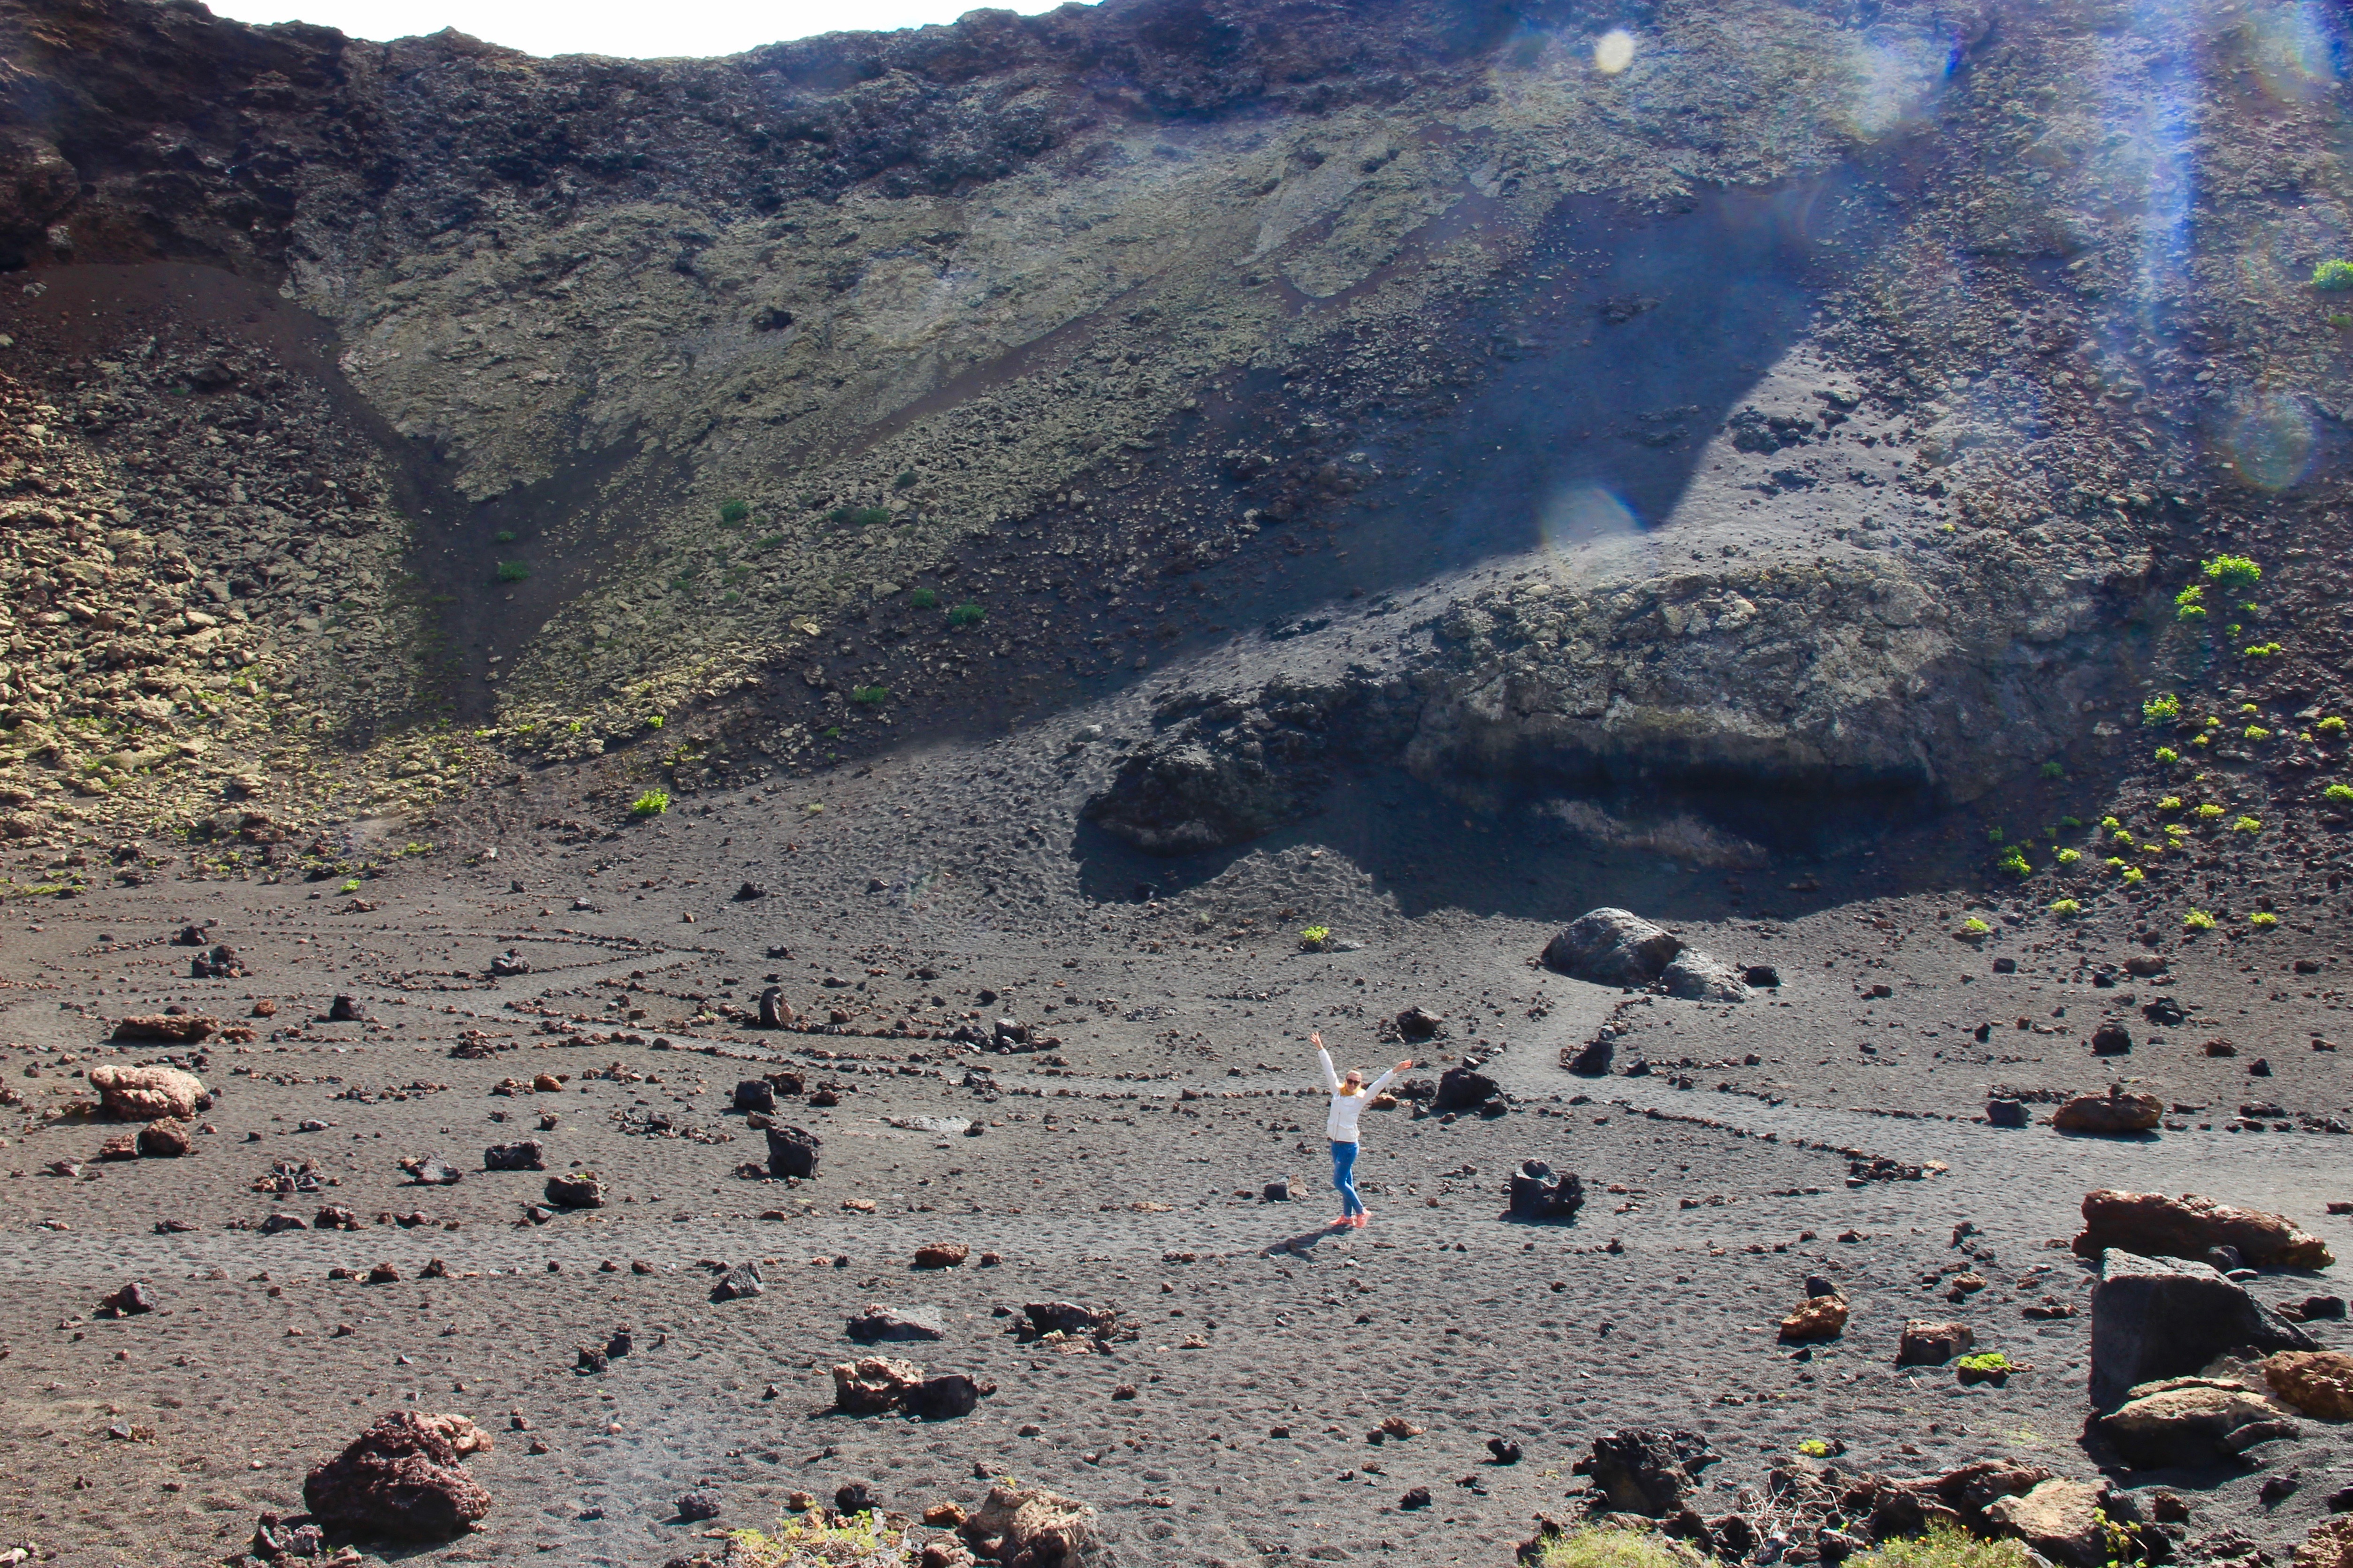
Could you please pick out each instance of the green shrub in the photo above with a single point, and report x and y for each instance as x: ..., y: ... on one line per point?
x: 1975, y: 926
x: 2189, y: 604
x: 1314, y: 937
x: 2015, y: 863
x: 2053, y: 771
x: 905, y: 481
x: 2198, y: 920
x: 1984, y: 1361
x: 2167, y: 754
x: 1993, y: 835
x: 2340, y: 795
x: 1608, y: 1546
x: 861, y: 516
x: 2209, y: 812
x: 2333, y: 275
x: 1943, y: 1547
x: 2066, y: 909
x: 2235, y: 573
x: 2247, y: 824
x: 923, y: 599
x: 503, y: 536
x: 2133, y: 875
x: 2256, y: 733
x: 2264, y: 650
x: 967, y: 614
x: 2170, y: 802
x: 872, y: 696
x: 1814, y: 1448
x: 512, y: 571
x: 352, y: 885
x: 2068, y: 857
x: 2262, y: 920
x: 2331, y: 726
x: 735, y: 513
x: 653, y: 802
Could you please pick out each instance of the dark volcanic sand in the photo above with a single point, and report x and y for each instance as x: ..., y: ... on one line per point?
x: 1441, y: 1312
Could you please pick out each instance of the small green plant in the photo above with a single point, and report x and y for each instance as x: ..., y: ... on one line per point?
x: 2015, y: 863
x: 2209, y: 812
x: 2189, y: 604
x: 967, y: 614
x: 2054, y: 771
x: 872, y: 696
x: 1814, y: 1448
x: 1993, y: 835
x: 2066, y: 909
x: 859, y: 516
x: 2110, y: 823
x: 1985, y: 1361
x: 2121, y: 838
x: 1975, y: 926
x: 2163, y: 709
x: 2133, y: 875
x: 831, y: 732
x: 1314, y: 937
x: 905, y: 481
x: 512, y: 571
x: 923, y: 599
x: 2340, y: 320
x: 2262, y: 920
x: 1943, y: 1546
x: 2263, y: 650
x: 2247, y: 824
x: 2338, y: 795
x: 352, y: 886
x: 2331, y: 727
x: 2170, y: 802
x: 1611, y: 1546
x: 653, y: 802
x: 2256, y: 733
x: 2233, y: 574
x: 2198, y: 920
x: 654, y: 723
x: 2068, y: 857
x: 503, y: 536
x: 735, y: 513
x: 2333, y: 275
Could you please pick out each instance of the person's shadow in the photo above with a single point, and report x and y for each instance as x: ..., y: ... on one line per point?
x: 1303, y: 1244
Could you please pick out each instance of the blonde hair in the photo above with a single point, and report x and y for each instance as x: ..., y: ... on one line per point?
x: 1352, y: 1082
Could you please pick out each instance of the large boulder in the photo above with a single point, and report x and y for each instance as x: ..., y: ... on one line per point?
x: 1697, y: 977
x: 793, y: 1152
x: 2155, y: 1225
x: 879, y: 1323
x: 576, y: 1190
x: 1956, y: 1498
x: 2154, y: 1319
x: 2059, y: 1519
x: 1651, y: 1472
x: 525, y: 1155
x: 1033, y: 1527
x: 147, y: 1094
x: 873, y: 1383
x: 2113, y: 1115
x: 2330, y: 1545
x: 401, y: 1477
x: 2190, y: 1421
x: 2317, y: 1383
x: 1463, y: 1087
x: 1612, y: 947
x: 945, y: 1396
x: 165, y: 1028
x: 1541, y: 1194
x: 164, y: 1140
x: 1069, y: 1318
x: 1823, y: 1315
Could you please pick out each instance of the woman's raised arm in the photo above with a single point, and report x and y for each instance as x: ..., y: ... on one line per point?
x: 1331, y: 1079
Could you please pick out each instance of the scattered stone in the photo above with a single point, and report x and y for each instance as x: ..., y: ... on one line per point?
x: 1933, y: 1344
x: 942, y: 1255
x: 755, y: 1094
x: 1651, y: 1472
x: 2111, y: 1114
x: 148, y: 1094
x: 2190, y: 1421
x: 2319, y: 1383
x: 510, y: 964
x: 432, y: 1172
x: 1539, y: 1193
x: 738, y: 1283
x: 164, y: 1140
x: 696, y: 1507
x: 945, y: 1397
x: 2111, y: 1039
x: 2152, y: 1225
x: 1033, y: 1526
x: 878, y: 1323
x: 2059, y: 1519
x: 1276, y: 1192
x: 871, y: 1384
x: 576, y: 1190
x: 345, y: 1010
x: 400, y: 1477
x: 526, y: 1155
x: 1419, y: 1024
x: 2154, y: 1319
x: 2005, y: 1114
x: 1067, y: 1318
x: 1818, y: 1317
x: 1505, y: 1451
x: 129, y: 1301
x: 793, y: 1152
x: 2330, y: 1545
x: 162, y: 1028
x: 1463, y: 1087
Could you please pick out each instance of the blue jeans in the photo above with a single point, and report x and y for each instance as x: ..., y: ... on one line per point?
x: 1344, y: 1177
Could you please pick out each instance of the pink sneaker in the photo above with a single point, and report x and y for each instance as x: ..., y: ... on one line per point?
x: 1358, y: 1221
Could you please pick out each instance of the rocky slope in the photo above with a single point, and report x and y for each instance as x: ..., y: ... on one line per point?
x: 1815, y: 399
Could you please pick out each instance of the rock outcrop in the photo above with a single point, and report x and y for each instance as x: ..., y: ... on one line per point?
x: 401, y: 1477
x: 2155, y: 1225
x: 2153, y: 1319
x: 148, y: 1093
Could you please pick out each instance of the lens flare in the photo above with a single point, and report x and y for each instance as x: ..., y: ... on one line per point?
x: 1896, y: 76
x: 1613, y: 51
x: 1581, y: 515
x: 2270, y: 444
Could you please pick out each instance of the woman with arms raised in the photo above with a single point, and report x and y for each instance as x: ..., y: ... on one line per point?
x: 1349, y: 1097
